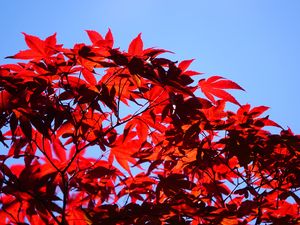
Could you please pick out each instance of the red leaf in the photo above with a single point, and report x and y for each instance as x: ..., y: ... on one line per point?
x: 224, y: 95
x: 35, y: 43
x: 109, y: 38
x: 268, y: 122
x: 51, y: 40
x: 59, y: 149
x: 183, y: 65
x: 136, y: 46
x: 94, y: 36
x: 123, y: 152
x: 38, y: 48
x: 142, y: 130
x: 191, y: 73
x: 25, y: 54
x: 257, y: 111
x: 4, y: 100
x: 213, y: 87
x: 89, y: 76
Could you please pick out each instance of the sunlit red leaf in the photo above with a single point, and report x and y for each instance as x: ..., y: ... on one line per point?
x: 35, y: 44
x: 26, y: 54
x: 59, y: 149
x: 51, y: 41
x: 38, y: 48
x: 214, y: 86
x: 257, y: 111
x: 89, y: 77
x: 109, y: 38
x: 94, y: 36
x: 136, y: 46
x: 183, y: 65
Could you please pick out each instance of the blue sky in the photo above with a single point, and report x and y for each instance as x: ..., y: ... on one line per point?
x: 253, y: 42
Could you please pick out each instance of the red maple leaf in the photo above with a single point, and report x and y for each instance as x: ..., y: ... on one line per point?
x: 213, y: 87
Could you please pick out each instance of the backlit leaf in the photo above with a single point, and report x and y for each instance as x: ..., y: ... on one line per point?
x: 136, y: 46
x: 214, y: 86
x: 94, y: 36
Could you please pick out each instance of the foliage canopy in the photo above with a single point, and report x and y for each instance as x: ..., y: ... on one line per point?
x: 96, y: 135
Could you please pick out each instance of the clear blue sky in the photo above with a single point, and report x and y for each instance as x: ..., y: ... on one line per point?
x: 253, y: 42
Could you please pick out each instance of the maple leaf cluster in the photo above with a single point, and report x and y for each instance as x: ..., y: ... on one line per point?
x: 96, y: 135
